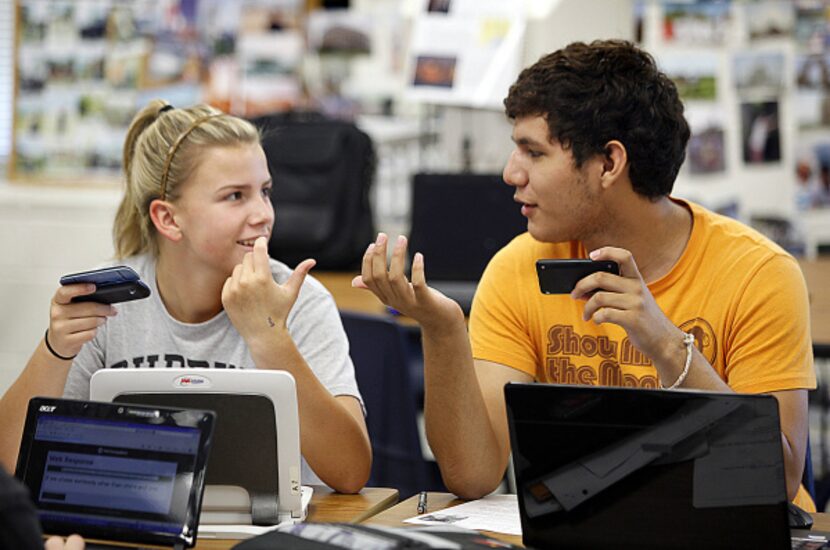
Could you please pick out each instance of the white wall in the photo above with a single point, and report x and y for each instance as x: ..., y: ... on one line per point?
x: 44, y: 233
x: 759, y: 189
x: 551, y: 24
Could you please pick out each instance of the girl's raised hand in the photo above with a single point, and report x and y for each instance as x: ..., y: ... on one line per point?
x: 255, y: 303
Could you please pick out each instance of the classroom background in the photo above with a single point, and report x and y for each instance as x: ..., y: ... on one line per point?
x: 424, y: 79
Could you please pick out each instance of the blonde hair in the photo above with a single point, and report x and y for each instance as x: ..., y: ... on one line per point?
x: 162, y: 149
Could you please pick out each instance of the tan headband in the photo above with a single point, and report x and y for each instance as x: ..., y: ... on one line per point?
x: 175, y: 146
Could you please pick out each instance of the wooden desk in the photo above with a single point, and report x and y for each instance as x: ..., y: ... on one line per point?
x: 817, y: 275
x: 347, y: 297
x: 821, y: 522
x: 328, y: 507
x: 394, y: 516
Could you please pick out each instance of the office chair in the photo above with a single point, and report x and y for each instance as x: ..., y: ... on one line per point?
x: 378, y: 351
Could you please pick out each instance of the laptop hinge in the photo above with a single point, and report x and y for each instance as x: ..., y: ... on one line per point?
x: 264, y: 509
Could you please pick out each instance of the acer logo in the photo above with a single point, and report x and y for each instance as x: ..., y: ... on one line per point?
x: 47, y: 408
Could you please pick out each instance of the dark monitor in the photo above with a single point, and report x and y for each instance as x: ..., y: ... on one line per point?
x: 459, y: 221
x: 600, y: 467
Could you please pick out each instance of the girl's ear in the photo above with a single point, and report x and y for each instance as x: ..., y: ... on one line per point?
x: 163, y: 214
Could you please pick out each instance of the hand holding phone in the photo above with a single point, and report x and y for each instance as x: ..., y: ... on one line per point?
x: 112, y: 285
x: 561, y: 276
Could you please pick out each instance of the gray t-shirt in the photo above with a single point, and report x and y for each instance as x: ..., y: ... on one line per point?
x: 144, y: 335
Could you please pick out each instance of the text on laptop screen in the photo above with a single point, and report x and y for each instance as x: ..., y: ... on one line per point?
x: 129, y: 467
x: 128, y: 472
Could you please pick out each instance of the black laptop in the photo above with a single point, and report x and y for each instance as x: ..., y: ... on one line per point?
x: 115, y: 472
x: 600, y: 467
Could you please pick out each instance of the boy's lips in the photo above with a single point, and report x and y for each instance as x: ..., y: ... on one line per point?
x: 527, y: 208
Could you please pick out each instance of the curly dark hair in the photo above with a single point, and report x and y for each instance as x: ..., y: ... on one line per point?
x: 608, y: 90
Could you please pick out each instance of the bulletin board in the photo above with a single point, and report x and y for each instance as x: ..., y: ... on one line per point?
x: 83, y: 68
x: 465, y: 52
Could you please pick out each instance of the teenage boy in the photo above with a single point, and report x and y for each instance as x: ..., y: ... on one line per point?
x: 701, y: 301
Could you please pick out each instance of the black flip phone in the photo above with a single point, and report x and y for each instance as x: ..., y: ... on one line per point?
x: 112, y: 285
x: 561, y: 276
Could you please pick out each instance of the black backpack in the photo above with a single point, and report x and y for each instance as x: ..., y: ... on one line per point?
x: 323, y: 171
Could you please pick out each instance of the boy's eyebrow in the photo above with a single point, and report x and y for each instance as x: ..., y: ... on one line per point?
x: 523, y: 140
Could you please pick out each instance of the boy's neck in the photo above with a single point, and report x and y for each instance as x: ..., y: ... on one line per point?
x: 656, y: 233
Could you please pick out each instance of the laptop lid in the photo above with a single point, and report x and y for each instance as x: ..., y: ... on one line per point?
x: 621, y: 467
x: 119, y: 473
x: 258, y: 419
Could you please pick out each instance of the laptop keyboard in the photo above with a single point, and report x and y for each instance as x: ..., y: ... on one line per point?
x: 800, y: 543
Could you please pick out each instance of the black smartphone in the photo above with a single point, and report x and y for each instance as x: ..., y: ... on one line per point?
x: 112, y: 285
x: 561, y: 276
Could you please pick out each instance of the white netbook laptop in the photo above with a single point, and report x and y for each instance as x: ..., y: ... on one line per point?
x: 254, y: 473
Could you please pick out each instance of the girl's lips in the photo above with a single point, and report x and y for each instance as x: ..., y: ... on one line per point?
x: 528, y: 209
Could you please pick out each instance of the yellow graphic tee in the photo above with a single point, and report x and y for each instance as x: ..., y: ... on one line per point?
x: 741, y: 296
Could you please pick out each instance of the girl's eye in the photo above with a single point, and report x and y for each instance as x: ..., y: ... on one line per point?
x: 266, y: 191
x: 235, y: 196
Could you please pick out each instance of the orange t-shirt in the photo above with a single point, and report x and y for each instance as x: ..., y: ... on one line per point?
x: 742, y: 296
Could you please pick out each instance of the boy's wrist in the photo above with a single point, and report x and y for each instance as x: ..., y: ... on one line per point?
x: 444, y: 325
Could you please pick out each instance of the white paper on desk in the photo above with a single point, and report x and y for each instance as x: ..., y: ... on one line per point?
x: 497, y: 513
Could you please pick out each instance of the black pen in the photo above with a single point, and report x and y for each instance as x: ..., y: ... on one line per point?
x: 422, y: 503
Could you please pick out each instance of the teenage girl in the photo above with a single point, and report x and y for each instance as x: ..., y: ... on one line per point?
x: 194, y: 223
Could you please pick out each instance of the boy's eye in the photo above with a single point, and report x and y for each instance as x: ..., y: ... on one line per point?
x: 533, y: 154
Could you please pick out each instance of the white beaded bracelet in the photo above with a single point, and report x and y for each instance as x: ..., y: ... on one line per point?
x: 689, y: 341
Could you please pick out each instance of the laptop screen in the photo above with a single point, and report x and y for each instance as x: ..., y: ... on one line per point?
x: 599, y: 466
x: 123, y: 473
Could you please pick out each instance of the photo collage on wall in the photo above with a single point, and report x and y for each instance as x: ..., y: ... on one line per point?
x: 696, y: 78
x: 759, y: 82
x: 812, y: 75
x: 694, y: 33
x: 465, y: 52
x: 747, y: 36
x: 85, y: 67
x: 81, y: 68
